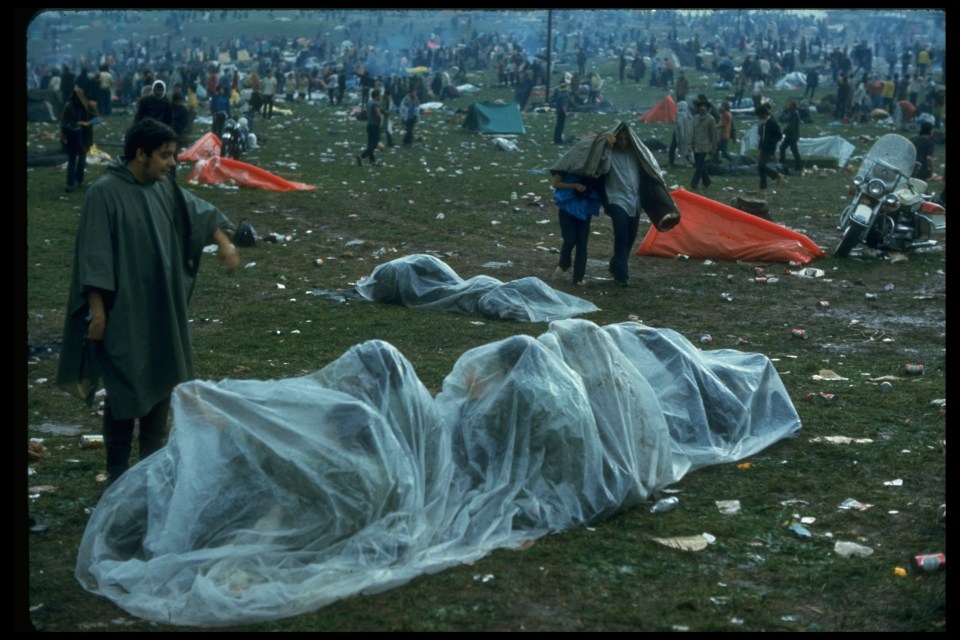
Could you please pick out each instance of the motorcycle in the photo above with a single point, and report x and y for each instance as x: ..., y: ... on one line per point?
x: 234, y: 140
x: 890, y: 210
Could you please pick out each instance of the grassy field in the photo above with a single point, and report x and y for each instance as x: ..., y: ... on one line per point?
x: 261, y: 323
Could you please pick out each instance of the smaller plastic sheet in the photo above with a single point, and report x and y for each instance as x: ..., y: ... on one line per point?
x: 426, y: 282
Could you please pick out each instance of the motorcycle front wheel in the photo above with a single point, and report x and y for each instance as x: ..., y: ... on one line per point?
x: 851, y: 238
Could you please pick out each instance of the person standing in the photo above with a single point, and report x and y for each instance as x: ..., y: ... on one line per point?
x: 560, y: 104
x: 137, y: 254
x: 791, y: 135
x: 703, y: 142
x: 76, y: 128
x: 681, y: 133
x: 578, y: 201
x: 268, y: 86
x: 813, y: 79
x: 844, y: 93
x: 925, y: 146
x: 105, y: 93
x: 155, y: 105
x: 582, y: 62
x: 220, y: 110
x: 374, y: 118
x: 386, y: 107
x: 770, y: 136
x: 726, y: 131
x: 410, y: 112
x: 681, y: 87
x: 67, y: 82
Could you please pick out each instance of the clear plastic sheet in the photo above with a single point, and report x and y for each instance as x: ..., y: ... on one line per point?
x: 424, y: 281
x: 275, y: 498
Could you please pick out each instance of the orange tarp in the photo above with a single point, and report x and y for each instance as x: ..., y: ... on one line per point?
x: 208, y: 146
x: 715, y: 231
x: 664, y: 111
x: 226, y: 171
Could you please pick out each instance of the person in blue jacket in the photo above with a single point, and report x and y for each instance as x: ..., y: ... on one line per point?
x: 578, y: 199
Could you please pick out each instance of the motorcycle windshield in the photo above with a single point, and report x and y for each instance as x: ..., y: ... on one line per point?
x: 890, y: 158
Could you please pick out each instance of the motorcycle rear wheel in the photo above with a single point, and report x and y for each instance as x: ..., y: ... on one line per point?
x: 851, y: 238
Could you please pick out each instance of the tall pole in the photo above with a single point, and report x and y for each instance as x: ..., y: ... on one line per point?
x: 546, y: 95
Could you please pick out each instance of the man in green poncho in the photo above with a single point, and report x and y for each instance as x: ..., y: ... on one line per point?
x: 137, y: 252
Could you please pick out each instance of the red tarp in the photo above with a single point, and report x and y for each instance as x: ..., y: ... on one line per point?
x: 226, y: 171
x: 208, y: 146
x: 665, y: 111
x: 715, y: 231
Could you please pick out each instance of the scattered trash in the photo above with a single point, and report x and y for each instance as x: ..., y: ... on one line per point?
x: 682, y: 256
x: 870, y: 296
x: 893, y: 483
x: 913, y: 369
x: 800, y: 334
x: 824, y: 304
x: 821, y: 398
x: 900, y: 571
x: 842, y: 440
x: 851, y: 549
x: 929, y: 562
x: 440, y: 216
x: 886, y: 387
x: 59, y: 429
x: 684, y: 543
x: 728, y: 507
x: 744, y: 465
x: 318, y: 262
x: 88, y: 442
x: 633, y: 317
x: 706, y: 338
x: 665, y: 504
x: 827, y: 374
x: 888, y: 287
x: 760, y: 279
x: 727, y: 296
x: 850, y: 503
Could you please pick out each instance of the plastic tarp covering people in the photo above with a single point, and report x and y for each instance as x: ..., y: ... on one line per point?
x: 275, y: 498
x: 425, y: 281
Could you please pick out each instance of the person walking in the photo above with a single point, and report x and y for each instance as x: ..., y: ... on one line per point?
x: 410, y: 112
x: 703, y: 143
x: 76, y: 130
x: 578, y: 201
x: 138, y: 247
x: 374, y: 118
x: 560, y: 104
x: 791, y: 135
x: 770, y: 136
x: 632, y: 182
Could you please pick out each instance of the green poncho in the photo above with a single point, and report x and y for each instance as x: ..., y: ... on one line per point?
x: 140, y: 244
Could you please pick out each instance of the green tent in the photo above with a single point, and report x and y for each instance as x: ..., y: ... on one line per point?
x: 494, y: 117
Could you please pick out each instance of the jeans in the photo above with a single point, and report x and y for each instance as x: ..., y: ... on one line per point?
x: 765, y: 171
x: 794, y: 151
x: 76, y: 158
x: 373, y: 139
x: 118, y: 436
x: 576, y: 234
x: 558, y: 130
x: 723, y: 151
x: 624, y: 235
x: 408, y: 130
x: 700, y: 170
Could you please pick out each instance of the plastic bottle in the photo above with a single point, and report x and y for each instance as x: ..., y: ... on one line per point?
x: 665, y: 504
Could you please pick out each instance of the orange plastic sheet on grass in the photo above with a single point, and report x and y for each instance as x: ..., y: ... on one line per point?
x: 712, y: 230
x: 218, y: 170
x: 208, y: 146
